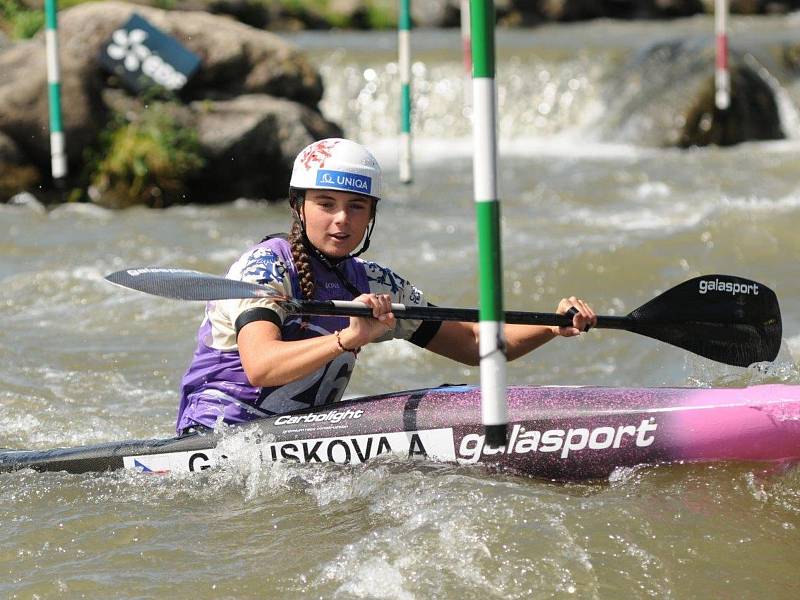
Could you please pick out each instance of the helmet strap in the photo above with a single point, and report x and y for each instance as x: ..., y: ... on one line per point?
x: 365, y: 245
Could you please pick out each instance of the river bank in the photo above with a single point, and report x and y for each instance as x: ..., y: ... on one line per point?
x: 260, y: 97
x: 23, y: 18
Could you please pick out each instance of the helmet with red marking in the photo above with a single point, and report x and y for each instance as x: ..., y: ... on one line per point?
x: 337, y: 164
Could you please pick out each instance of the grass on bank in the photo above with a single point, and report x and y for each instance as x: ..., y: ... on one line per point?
x: 19, y: 21
x: 22, y: 22
x: 372, y: 14
x: 145, y: 160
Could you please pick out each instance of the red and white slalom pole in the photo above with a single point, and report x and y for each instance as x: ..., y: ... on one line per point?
x: 722, y: 76
x: 466, y: 50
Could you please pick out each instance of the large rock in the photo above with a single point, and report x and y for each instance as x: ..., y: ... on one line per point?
x: 436, y: 13
x: 752, y: 115
x: 250, y: 143
x: 525, y: 12
x: 235, y: 60
x: 664, y: 97
x: 790, y: 56
x: 15, y: 176
x: 24, y: 102
x: 752, y: 7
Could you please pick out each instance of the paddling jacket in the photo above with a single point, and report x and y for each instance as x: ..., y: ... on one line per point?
x: 215, y: 385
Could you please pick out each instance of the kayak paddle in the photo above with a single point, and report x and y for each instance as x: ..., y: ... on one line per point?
x: 728, y: 319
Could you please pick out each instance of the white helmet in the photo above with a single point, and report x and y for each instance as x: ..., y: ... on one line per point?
x: 337, y: 164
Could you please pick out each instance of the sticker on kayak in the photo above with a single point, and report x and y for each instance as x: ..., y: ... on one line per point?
x: 560, y: 441
x: 431, y: 443
x: 181, y: 462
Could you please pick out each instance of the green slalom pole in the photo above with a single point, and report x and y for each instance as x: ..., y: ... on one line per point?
x: 404, y: 60
x: 58, y: 158
x: 487, y: 207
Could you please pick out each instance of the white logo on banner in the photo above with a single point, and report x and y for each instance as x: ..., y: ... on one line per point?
x: 128, y: 47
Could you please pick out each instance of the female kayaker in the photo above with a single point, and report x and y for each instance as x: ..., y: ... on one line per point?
x: 255, y: 360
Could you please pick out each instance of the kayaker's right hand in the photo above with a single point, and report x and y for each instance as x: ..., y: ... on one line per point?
x: 583, y: 317
x: 363, y: 330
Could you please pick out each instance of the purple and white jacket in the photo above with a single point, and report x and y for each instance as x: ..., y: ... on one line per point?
x: 215, y: 384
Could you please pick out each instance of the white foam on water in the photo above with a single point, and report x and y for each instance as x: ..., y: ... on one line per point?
x: 82, y: 209
x: 681, y: 215
x: 787, y: 203
x: 246, y: 470
x: 653, y: 189
x: 374, y: 577
x: 395, y: 560
x: 13, y: 423
x: 27, y: 201
x: 226, y: 256
x: 459, y: 525
x: 573, y: 147
x: 793, y: 344
x: 430, y: 151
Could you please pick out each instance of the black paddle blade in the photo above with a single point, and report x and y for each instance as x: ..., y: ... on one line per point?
x: 183, y: 284
x: 728, y: 319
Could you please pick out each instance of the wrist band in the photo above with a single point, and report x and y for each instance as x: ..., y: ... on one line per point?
x: 355, y: 351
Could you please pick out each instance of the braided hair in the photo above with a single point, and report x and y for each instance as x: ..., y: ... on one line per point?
x: 300, y: 256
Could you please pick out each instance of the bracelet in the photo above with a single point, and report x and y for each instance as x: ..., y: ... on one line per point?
x: 355, y: 351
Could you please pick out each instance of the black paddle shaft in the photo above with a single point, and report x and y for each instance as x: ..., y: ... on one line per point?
x: 725, y: 318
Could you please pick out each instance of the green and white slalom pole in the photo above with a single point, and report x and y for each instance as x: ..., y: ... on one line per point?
x: 404, y: 60
x: 722, y: 76
x: 487, y: 208
x: 58, y: 158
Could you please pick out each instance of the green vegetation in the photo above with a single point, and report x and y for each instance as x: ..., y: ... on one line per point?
x: 381, y: 16
x: 372, y: 14
x: 23, y: 22
x: 146, y: 160
x: 19, y: 21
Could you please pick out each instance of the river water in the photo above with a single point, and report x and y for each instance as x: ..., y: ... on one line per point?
x: 584, y: 212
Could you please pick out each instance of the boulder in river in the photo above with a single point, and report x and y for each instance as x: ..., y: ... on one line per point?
x: 752, y: 114
x: 14, y: 174
x: 251, y: 141
x: 665, y: 97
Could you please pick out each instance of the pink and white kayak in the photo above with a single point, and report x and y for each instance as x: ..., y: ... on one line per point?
x: 565, y: 433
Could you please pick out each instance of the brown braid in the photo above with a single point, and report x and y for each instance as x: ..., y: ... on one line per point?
x: 302, y: 262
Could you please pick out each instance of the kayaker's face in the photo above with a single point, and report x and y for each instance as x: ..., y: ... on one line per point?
x: 336, y: 221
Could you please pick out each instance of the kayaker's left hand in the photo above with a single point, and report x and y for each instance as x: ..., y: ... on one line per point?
x: 583, y: 319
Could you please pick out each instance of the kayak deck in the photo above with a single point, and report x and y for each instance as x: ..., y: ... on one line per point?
x: 567, y: 433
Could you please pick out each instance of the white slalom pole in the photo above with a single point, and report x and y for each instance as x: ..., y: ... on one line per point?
x: 722, y: 76
x: 466, y: 50
x: 494, y: 410
x: 404, y: 47
x: 58, y: 157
